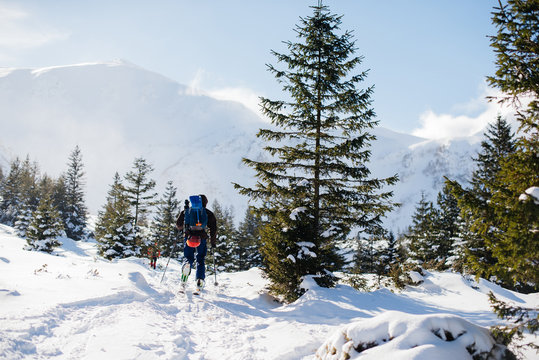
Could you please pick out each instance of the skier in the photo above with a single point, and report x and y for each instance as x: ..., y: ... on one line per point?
x: 191, y: 245
x: 153, y: 254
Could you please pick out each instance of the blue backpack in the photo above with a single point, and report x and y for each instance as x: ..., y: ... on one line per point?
x: 196, y: 217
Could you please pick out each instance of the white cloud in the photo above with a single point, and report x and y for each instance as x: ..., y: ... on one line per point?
x: 21, y: 31
x: 443, y: 126
x: 195, y: 85
x: 245, y: 96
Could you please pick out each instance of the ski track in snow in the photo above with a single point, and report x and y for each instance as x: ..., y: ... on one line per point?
x: 76, y: 306
x: 168, y: 325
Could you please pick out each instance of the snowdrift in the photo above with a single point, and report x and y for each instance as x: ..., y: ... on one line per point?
x: 408, y: 337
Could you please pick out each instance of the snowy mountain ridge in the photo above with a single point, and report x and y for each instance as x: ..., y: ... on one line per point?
x: 117, y: 111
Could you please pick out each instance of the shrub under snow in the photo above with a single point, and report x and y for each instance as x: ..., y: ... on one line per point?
x: 395, y: 335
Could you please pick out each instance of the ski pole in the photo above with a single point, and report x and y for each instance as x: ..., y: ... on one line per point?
x: 171, y: 253
x: 186, y: 206
x: 214, y: 268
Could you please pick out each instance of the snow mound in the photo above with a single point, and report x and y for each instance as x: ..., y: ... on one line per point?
x: 398, y: 335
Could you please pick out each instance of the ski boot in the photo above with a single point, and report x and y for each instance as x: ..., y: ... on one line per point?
x: 186, y: 270
x: 200, y: 286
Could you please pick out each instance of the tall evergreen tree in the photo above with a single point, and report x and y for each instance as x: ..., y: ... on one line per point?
x: 114, y: 228
x: 324, y: 127
x: 139, y: 191
x: 476, y: 202
x: 75, y: 210
x: 164, y: 232
x: 517, y: 76
x: 46, y: 226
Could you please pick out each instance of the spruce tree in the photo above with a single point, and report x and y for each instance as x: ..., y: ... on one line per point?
x: 75, y: 210
x: 114, y: 228
x: 29, y: 194
x: 516, y: 45
x: 19, y: 191
x: 390, y: 254
x: 11, y: 194
x: 139, y: 191
x: 517, y: 76
x: 249, y: 241
x: 23, y: 220
x: 324, y: 134
x: 367, y: 258
x: 164, y: 232
x: 447, y: 225
x: 225, y: 253
x: 422, y: 237
x: 46, y: 227
x: 476, y: 202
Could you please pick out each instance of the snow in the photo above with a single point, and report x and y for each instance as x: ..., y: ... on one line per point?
x: 72, y: 304
x: 532, y: 192
x: 294, y: 214
x: 405, y: 336
x: 416, y: 277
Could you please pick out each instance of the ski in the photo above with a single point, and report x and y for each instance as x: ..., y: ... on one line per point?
x: 200, y: 286
x: 182, y: 288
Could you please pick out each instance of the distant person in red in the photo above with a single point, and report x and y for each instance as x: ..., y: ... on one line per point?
x: 153, y: 254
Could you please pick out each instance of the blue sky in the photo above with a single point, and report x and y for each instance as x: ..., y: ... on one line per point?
x: 428, y: 59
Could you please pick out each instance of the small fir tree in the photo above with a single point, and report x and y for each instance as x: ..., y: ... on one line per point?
x: 24, y: 218
x: 19, y: 190
x: 46, y: 227
x: 225, y: 252
x: 10, y: 195
x: 389, y: 254
x: 249, y: 241
x: 75, y: 210
x: 164, y: 231
x: 447, y: 225
x: 422, y: 237
x: 114, y: 228
x: 139, y: 191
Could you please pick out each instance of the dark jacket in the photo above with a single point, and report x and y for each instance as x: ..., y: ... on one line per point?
x: 212, y: 226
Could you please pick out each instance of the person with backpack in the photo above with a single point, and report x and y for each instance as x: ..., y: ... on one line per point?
x: 153, y: 254
x: 195, y: 220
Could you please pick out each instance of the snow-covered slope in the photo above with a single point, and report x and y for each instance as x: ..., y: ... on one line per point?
x: 117, y: 111
x: 74, y: 305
